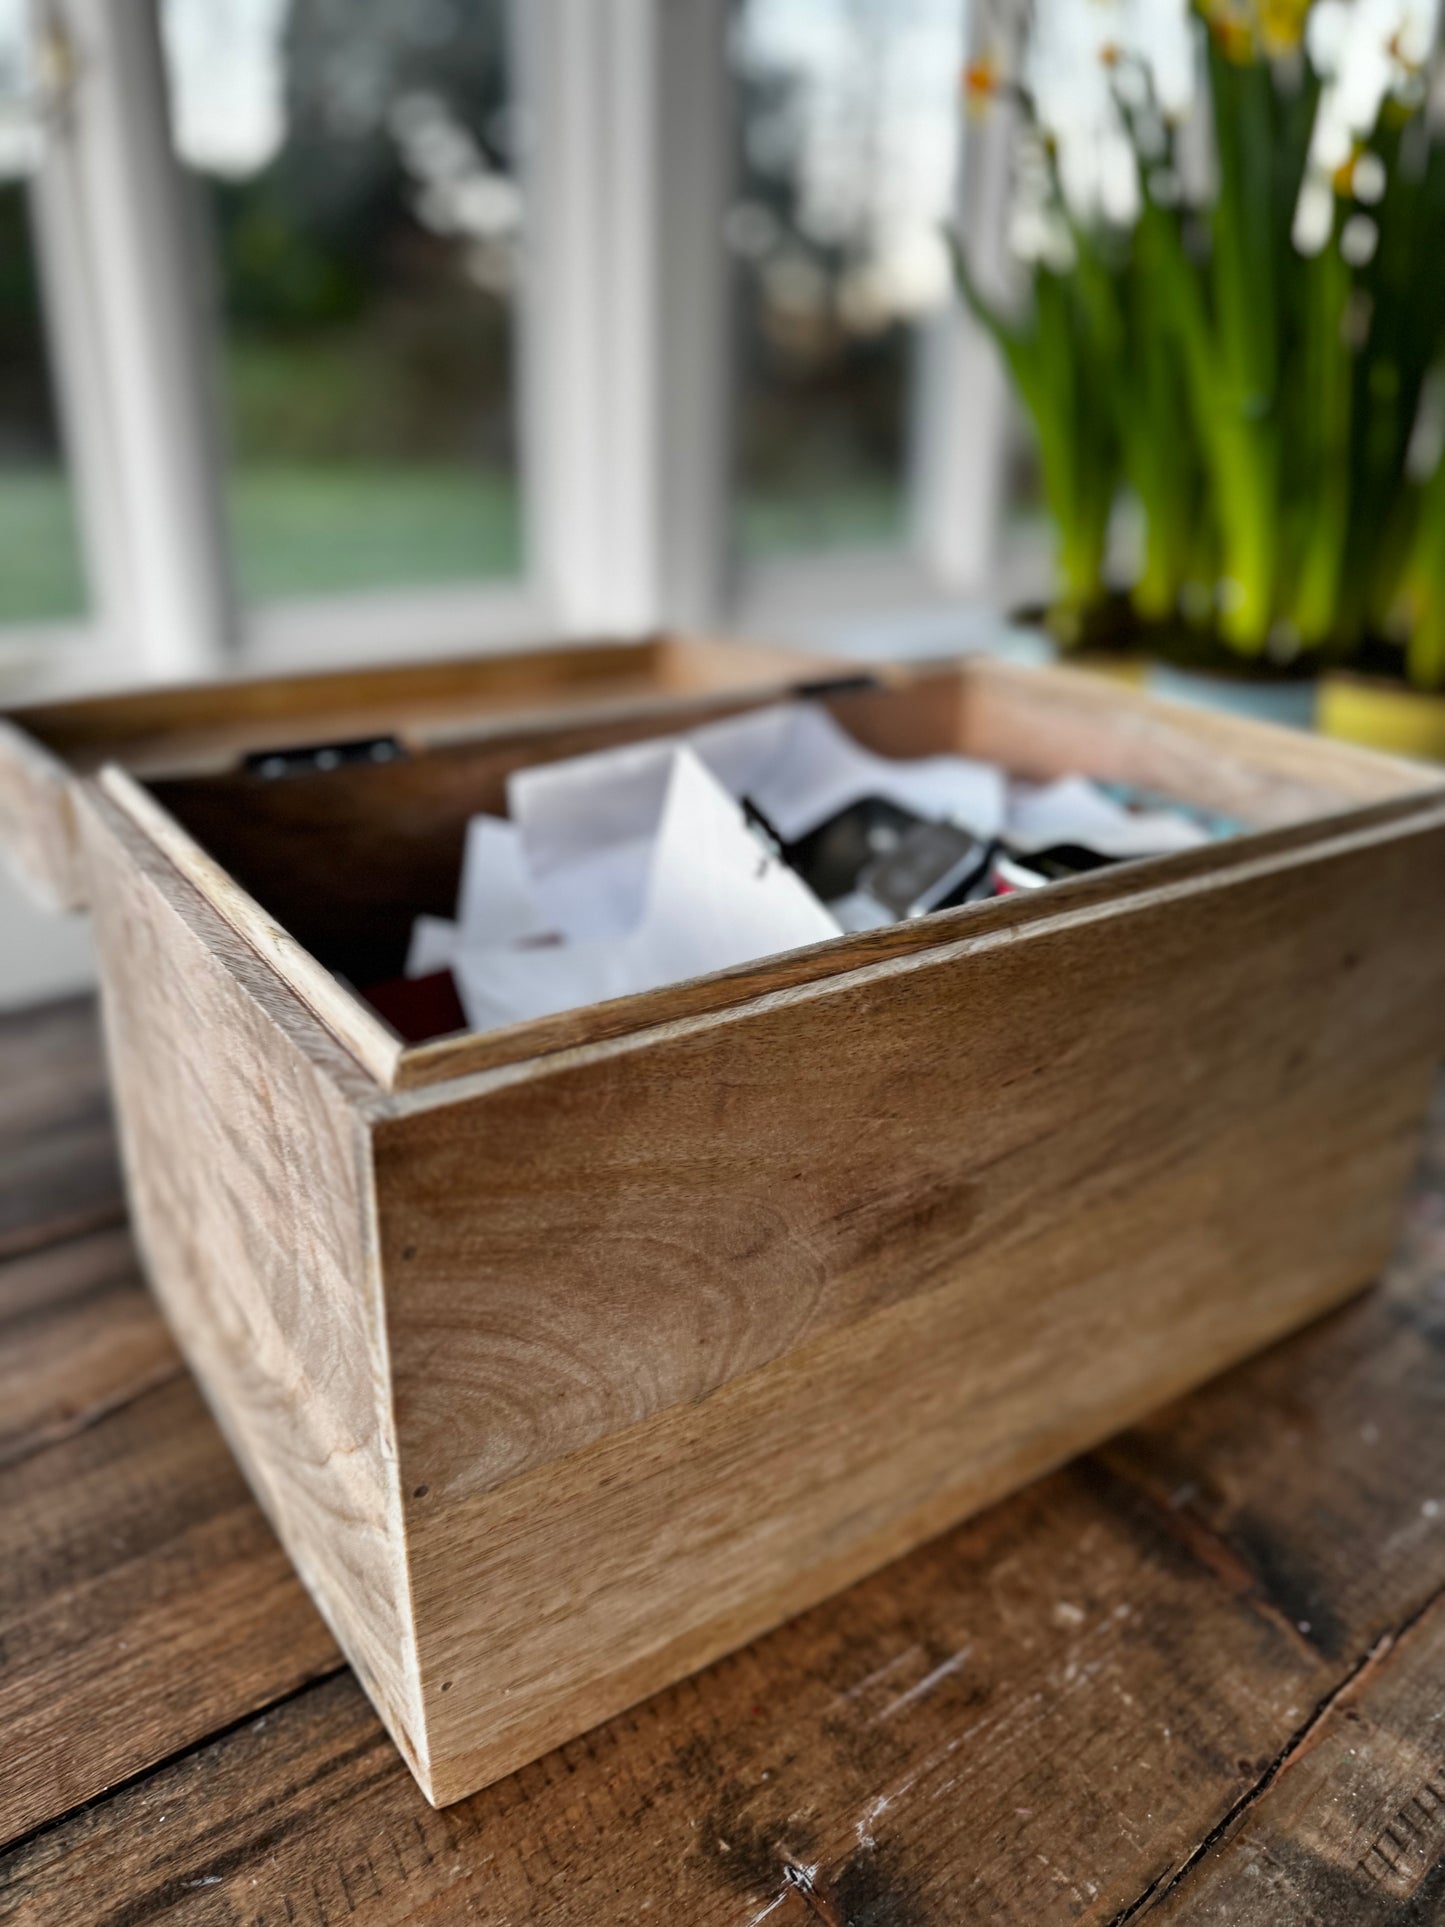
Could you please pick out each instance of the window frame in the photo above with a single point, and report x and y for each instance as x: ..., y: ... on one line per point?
x: 956, y: 552
x: 624, y: 391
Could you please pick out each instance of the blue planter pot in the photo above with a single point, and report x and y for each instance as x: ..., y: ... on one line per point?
x: 945, y: 633
x: 1291, y: 703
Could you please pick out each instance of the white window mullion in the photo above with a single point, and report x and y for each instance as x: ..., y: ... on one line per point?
x: 696, y: 150
x: 564, y: 338
x: 961, y: 415
x: 80, y: 392
x: 132, y: 337
x: 625, y: 337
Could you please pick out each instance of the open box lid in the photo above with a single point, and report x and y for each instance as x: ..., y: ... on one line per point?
x: 214, y: 725
x: 322, y: 875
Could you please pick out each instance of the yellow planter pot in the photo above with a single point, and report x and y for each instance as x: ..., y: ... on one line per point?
x: 1130, y: 670
x: 1383, y: 715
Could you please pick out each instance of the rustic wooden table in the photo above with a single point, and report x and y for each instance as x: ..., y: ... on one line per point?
x: 1196, y: 1676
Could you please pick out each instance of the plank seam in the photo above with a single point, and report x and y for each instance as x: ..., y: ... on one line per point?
x: 62, y: 1433
x: 27, y: 1241
x: 1164, y: 1884
x: 20, y: 1842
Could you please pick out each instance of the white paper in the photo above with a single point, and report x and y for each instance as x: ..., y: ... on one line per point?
x: 711, y: 896
x: 586, y: 829
x: 1075, y: 810
x: 858, y: 912
x: 433, y: 946
x: 799, y: 767
x: 632, y: 868
x: 495, y: 903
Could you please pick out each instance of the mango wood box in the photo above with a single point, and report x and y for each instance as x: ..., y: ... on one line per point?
x: 565, y: 1358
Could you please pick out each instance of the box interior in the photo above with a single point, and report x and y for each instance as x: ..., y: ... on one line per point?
x: 345, y: 859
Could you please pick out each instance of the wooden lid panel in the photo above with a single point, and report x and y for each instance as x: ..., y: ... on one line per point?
x: 209, y: 727
x: 325, y: 871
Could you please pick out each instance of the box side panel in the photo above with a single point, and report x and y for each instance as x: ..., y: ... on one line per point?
x: 38, y: 835
x: 686, y: 1335
x: 148, y: 728
x: 695, y: 664
x: 1041, y: 721
x: 210, y: 725
x: 198, y: 723
x: 248, y: 1169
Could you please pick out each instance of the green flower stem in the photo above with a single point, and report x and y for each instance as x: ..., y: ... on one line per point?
x: 1424, y: 589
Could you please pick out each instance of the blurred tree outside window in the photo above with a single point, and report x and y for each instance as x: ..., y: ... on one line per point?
x: 849, y: 129
x: 41, y: 574
x: 356, y: 163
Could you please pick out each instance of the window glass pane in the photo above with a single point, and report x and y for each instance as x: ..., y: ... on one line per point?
x: 40, y: 567
x: 356, y: 159
x: 849, y: 140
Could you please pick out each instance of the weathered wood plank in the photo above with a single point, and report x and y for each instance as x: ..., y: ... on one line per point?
x: 1036, y: 1718
x: 143, y: 1604
x: 1029, y: 1740
x: 1351, y: 1823
x: 1320, y: 1464
x: 1036, y: 1714
x: 57, y: 1149
x: 79, y: 1336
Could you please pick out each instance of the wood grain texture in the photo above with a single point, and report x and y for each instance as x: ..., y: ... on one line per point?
x: 1041, y: 723
x: 697, y: 1379
x: 57, y: 1151
x: 665, y: 1300
x: 1035, y: 1719
x: 912, y: 1746
x: 724, y: 1191
x: 1351, y: 1825
x: 249, y: 1185
x: 143, y: 1603
x: 209, y: 725
x: 1039, y: 1718
x: 79, y: 1336
x: 37, y: 825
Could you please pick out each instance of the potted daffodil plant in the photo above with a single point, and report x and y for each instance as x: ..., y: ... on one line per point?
x: 1226, y: 326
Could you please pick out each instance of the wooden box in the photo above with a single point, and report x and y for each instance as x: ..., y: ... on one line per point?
x: 567, y: 1357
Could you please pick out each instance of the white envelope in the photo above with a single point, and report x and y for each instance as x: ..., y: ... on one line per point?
x: 710, y: 896
x: 495, y: 904
x: 586, y: 829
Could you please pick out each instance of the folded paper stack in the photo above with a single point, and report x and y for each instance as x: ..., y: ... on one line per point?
x: 632, y: 868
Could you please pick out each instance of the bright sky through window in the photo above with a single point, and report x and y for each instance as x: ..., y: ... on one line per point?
x: 872, y: 125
